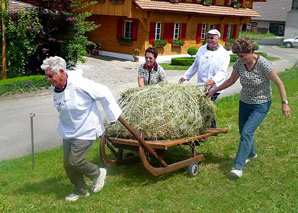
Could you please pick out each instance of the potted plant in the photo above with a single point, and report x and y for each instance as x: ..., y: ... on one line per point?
x: 207, y: 2
x: 237, y: 4
x: 135, y: 55
x: 159, y: 43
x: 178, y: 43
x: 125, y: 41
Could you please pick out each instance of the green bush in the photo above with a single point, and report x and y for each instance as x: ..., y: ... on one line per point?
x: 256, y: 46
x: 262, y: 54
x: 160, y: 42
x: 178, y: 42
x: 192, y: 51
x: 234, y: 57
x: 182, y: 61
x: 21, y: 84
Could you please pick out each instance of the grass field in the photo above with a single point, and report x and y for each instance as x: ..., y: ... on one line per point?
x: 269, y: 183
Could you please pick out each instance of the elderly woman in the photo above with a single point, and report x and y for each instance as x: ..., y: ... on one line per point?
x: 80, y: 122
x: 255, y: 73
x: 150, y: 72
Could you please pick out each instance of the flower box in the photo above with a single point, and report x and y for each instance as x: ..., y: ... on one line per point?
x: 117, y: 1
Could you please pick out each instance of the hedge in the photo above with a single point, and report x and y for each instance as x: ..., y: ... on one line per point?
x: 234, y: 57
x: 182, y: 61
x: 21, y: 84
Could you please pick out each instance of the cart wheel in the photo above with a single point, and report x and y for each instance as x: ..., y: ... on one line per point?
x: 129, y: 155
x: 193, y: 169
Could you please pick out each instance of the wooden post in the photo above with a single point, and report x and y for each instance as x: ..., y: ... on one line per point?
x: 4, y: 60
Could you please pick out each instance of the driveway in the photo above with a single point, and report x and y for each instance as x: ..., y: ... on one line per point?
x: 118, y: 75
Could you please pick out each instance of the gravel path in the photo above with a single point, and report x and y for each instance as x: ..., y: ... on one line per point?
x: 117, y: 74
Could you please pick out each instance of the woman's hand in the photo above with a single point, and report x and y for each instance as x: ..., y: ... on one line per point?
x: 209, y: 94
x: 286, y: 110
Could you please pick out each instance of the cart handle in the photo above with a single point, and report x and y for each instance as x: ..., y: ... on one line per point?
x: 142, y: 142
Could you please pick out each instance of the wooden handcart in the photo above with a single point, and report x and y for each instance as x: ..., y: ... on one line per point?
x: 152, y: 148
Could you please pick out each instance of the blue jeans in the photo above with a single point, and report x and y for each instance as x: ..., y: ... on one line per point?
x: 250, y: 117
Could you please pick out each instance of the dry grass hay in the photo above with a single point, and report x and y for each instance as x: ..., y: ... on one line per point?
x: 164, y: 112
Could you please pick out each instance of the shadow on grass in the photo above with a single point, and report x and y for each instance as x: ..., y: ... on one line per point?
x: 136, y: 173
x: 50, y: 186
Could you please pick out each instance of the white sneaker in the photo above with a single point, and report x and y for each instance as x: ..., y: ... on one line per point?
x: 74, y: 197
x: 249, y: 159
x: 100, y: 181
x: 236, y: 172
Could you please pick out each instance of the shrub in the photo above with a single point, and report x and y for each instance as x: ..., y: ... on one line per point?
x: 22, y: 31
x: 182, y: 61
x: 234, y: 57
x: 256, y: 46
x: 192, y: 51
x: 178, y: 42
x: 262, y: 54
x: 21, y: 84
x: 160, y: 42
x: 125, y: 40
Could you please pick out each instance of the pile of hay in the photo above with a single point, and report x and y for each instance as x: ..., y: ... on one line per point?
x: 164, y: 112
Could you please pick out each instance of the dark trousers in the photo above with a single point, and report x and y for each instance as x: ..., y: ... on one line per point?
x: 213, y: 121
x: 75, y: 164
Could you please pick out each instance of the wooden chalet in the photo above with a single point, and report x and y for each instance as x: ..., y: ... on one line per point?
x: 126, y: 25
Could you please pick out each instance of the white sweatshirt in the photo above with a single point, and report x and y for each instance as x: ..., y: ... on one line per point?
x: 210, y: 65
x: 79, y: 114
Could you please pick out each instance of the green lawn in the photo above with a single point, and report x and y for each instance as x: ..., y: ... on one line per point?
x: 269, y: 183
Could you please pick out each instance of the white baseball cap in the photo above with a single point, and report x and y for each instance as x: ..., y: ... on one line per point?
x: 214, y: 32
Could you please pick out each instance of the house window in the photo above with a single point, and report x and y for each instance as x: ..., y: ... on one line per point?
x: 211, y: 26
x: 229, y: 32
x: 128, y: 29
x: 230, y: 2
x: 199, y: 1
x: 203, y: 33
x: 157, y: 31
x: 176, y: 31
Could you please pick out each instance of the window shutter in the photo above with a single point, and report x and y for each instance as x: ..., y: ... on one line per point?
x: 183, y: 0
x: 171, y: 32
x: 226, y: 2
x: 225, y: 32
x: 119, y: 28
x: 213, y: 1
x: 134, y: 33
x: 194, y: 1
x: 218, y: 27
x: 234, y: 31
x: 152, y: 32
x: 166, y: 31
x: 241, y: 2
x: 199, y: 32
x: 183, y: 33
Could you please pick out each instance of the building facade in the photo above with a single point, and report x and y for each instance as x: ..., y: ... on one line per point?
x: 292, y: 21
x: 126, y: 25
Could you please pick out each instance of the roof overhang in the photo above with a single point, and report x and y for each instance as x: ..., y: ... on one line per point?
x: 190, y: 8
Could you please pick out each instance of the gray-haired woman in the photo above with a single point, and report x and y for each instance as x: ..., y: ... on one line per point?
x: 255, y: 74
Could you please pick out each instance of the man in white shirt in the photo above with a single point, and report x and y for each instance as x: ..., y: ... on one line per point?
x: 80, y: 122
x: 211, y: 64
